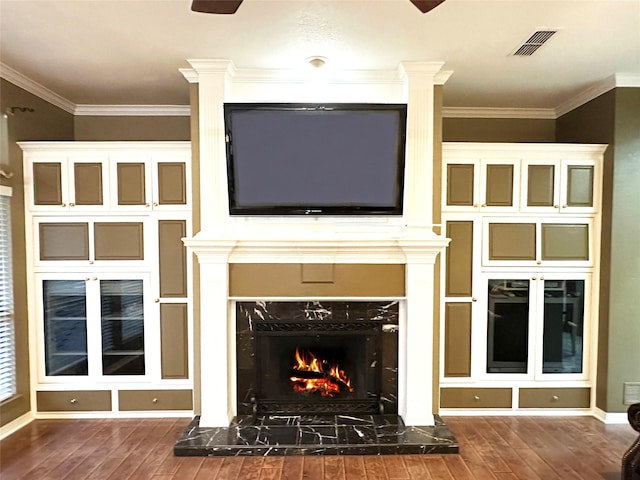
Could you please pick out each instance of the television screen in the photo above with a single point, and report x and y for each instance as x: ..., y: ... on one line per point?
x: 331, y: 159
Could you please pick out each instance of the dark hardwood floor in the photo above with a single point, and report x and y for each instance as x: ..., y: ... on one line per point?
x: 491, y: 448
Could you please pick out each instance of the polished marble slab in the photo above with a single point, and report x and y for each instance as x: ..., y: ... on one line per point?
x: 315, y: 435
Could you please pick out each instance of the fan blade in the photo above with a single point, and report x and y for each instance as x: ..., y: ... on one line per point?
x: 216, y: 6
x: 426, y: 5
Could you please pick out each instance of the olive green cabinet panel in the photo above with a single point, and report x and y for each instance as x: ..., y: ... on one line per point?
x: 174, y: 340
x: 565, y: 241
x: 459, y: 259
x: 74, y: 401
x: 512, y: 241
x: 460, y: 185
x: 131, y: 181
x: 499, y: 185
x: 132, y: 400
x: 554, y: 398
x: 540, y: 186
x: 64, y: 241
x: 172, y: 183
x: 457, y: 339
x: 119, y: 240
x: 88, y: 184
x: 580, y: 185
x: 47, y: 184
x: 172, y: 257
x: 475, y: 397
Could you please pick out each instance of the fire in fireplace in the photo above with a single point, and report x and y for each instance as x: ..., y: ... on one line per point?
x: 317, y: 357
x: 314, y: 374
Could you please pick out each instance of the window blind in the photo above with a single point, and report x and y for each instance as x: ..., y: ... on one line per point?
x: 7, y: 343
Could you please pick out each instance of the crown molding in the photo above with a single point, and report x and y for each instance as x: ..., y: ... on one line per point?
x: 33, y: 87
x: 133, y: 110
x: 619, y: 80
x: 480, y: 112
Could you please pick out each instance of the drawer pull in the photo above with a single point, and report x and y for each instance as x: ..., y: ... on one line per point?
x: 73, y: 401
x: 555, y: 398
x: 476, y: 398
x: 155, y: 400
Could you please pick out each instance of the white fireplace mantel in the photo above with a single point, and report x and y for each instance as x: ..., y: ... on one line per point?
x: 408, y: 239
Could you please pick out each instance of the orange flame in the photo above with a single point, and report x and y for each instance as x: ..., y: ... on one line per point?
x: 330, y: 381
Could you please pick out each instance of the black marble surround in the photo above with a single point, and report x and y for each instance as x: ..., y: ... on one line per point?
x: 315, y: 435
x: 378, y: 319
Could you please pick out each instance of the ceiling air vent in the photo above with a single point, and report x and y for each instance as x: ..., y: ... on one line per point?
x: 534, y: 42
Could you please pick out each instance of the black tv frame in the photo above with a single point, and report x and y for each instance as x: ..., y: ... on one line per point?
x: 316, y: 210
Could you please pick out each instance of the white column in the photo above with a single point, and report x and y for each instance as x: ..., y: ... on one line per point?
x: 217, y: 384
x: 213, y: 77
x: 419, y: 81
x: 418, y: 339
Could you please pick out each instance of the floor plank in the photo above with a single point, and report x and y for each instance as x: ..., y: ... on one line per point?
x: 491, y: 448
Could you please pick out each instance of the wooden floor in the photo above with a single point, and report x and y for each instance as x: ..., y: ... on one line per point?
x: 492, y: 448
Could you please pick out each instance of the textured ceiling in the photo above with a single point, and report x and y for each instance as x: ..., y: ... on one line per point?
x: 121, y: 52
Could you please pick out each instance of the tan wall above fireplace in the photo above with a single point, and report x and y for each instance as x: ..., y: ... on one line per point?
x: 316, y: 280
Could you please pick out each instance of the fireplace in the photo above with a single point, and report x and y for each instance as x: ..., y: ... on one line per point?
x: 317, y: 357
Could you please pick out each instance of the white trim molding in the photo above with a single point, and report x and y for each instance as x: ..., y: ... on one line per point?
x: 133, y: 110
x: 480, y: 112
x: 33, y: 87
x: 16, y: 425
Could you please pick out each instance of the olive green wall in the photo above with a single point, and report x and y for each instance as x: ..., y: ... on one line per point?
x: 497, y: 130
x: 614, y: 118
x: 130, y: 128
x: 46, y: 122
x: 593, y: 122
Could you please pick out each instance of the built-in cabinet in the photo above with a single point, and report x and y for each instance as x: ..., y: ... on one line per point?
x: 109, y: 277
x: 520, y: 275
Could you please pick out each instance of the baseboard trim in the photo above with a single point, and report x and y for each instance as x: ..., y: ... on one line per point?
x: 15, y: 425
x: 615, y: 418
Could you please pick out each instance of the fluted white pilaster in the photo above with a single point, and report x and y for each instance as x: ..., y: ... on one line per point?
x: 419, y: 81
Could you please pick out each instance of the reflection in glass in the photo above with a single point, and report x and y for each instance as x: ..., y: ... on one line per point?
x: 507, y: 326
x: 65, y: 327
x: 563, y: 326
x: 122, y: 317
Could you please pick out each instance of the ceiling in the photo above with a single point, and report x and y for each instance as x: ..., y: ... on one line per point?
x: 122, y: 52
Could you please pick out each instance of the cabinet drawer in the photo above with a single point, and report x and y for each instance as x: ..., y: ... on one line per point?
x: 554, y: 398
x: 475, y: 398
x: 74, y: 401
x: 155, y: 400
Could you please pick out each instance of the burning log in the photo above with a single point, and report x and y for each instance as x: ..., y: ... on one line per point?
x: 310, y: 374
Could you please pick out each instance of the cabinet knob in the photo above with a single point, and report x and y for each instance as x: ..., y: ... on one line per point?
x: 155, y: 204
x: 556, y: 206
x: 73, y: 401
x: 533, y: 278
x: 63, y: 204
x: 476, y: 398
x: 157, y: 300
x: 541, y: 278
x: 90, y: 262
x: 474, y: 299
x: 555, y: 398
x: 155, y: 400
x: 146, y: 204
x: 72, y: 204
x: 539, y: 262
x: 565, y: 206
x: 484, y: 205
x: 476, y: 205
x: 94, y: 278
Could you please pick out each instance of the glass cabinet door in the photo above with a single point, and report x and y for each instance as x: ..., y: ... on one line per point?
x: 65, y: 327
x: 507, y: 325
x: 122, y: 325
x: 563, y: 326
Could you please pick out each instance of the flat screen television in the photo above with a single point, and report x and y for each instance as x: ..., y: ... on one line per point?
x: 315, y: 159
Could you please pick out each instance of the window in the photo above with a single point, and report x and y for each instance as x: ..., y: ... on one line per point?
x: 7, y: 346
